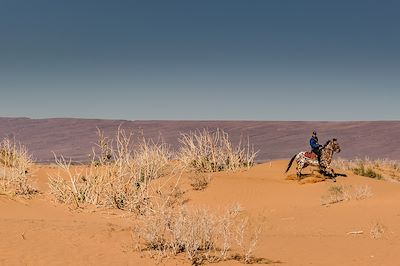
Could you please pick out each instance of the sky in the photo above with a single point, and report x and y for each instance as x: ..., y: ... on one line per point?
x: 200, y: 60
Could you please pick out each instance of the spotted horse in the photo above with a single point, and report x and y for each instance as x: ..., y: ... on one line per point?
x: 304, y: 159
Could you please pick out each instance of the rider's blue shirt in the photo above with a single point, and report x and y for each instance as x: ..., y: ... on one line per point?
x: 314, y: 144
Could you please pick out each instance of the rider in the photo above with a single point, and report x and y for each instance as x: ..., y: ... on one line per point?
x: 315, y: 146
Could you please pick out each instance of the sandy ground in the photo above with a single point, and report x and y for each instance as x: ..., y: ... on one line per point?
x: 297, y: 229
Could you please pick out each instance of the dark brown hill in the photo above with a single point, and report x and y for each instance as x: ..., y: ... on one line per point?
x: 75, y: 137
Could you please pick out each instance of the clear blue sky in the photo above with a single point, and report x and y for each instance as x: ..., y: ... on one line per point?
x: 251, y: 60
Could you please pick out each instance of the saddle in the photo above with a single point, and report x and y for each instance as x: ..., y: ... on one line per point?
x: 311, y: 155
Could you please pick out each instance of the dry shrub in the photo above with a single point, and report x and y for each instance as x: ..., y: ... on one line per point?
x: 104, y: 149
x: 362, y: 192
x: 151, y: 159
x: 247, y: 240
x: 15, y: 175
x: 334, y: 194
x: 166, y: 231
x: 377, y: 230
x: 362, y: 170
x: 378, y: 169
x: 99, y: 186
x: 122, y: 181
x: 200, y: 234
x: 199, y: 181
x: 338, y: 193
x: 206, y: 151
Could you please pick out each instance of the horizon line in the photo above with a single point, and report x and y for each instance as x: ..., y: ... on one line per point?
x: 195, y: 120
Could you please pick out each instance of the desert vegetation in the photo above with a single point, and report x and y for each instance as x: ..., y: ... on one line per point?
x: 200, y: 181
x: 198, y: 233
x: 206, y: 151
x: 377, y: 230
x: 118, y: 177
x: 141, y: 178
x: 15, y: 163
x: 378, y: 169
x: 339, y: 193
x: 121, y: 170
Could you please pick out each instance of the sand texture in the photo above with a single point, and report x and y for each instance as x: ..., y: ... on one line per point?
x: 297, y: 228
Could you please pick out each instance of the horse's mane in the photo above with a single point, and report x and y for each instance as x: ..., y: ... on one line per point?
x: 329, y: 141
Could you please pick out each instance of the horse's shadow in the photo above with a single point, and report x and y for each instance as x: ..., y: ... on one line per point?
x: 332, y: 176
x: 314, y: 177
x: 339, y: 174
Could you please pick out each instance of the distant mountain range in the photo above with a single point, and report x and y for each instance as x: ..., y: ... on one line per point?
x: 275, y: 139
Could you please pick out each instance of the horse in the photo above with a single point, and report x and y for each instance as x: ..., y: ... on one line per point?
x: 327, y: 151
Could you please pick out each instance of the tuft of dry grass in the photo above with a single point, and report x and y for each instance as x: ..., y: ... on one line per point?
x: 199, y: 181
x: 247, y: 240
x: 362, y: 192
x: 339, y: 193
x: 366, y: 171
x: 335, y: 194
x: 378, y: 169
x: 377, y: 230
x: 151, y: 159
x: 15, y: 175
x: 102, y: 152
x: 205, y: 151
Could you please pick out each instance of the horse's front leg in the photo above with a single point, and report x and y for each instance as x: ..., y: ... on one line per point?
x: 332, y: 174
x: 300, y: 166
x: 323, y: 167
x: 328, y: 171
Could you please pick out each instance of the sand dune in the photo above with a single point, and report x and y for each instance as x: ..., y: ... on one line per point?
x: 275, y: 140
x: 297, y: 229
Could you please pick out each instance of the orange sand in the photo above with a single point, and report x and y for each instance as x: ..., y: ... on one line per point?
x: 298, y: 230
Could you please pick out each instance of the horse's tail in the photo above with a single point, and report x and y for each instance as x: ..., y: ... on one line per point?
x: 290, y: 163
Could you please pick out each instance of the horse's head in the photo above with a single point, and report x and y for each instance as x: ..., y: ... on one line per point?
x: 332, y: 145
x: 336, y: 146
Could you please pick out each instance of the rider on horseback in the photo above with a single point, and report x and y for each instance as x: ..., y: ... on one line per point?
x: 315, y: 146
